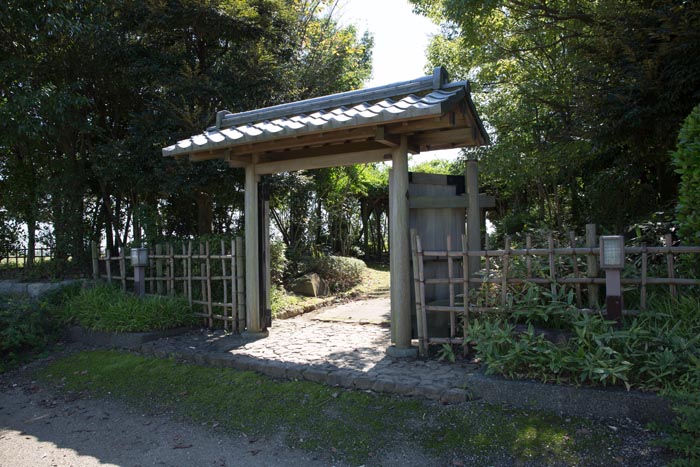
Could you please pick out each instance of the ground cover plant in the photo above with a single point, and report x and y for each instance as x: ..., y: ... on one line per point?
x: 352, y: 425
x: 657, y: 350
x: 107, y: 308
x: 29, y: 327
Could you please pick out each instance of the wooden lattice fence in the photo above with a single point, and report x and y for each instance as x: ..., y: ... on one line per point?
x: 209, y: 274
x: 503, y: 273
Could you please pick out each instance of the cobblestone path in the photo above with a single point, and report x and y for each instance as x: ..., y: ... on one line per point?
x: 335, y: 353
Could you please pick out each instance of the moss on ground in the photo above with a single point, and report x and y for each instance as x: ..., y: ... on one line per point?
x: 352, y: 425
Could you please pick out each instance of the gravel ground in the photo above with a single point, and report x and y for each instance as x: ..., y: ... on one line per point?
x: 42, y: 427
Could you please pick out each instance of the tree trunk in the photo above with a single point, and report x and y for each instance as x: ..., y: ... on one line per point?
x: 31, y: 238
x: 108, y: 222
x: 205, y: 213
x: 364, y: 215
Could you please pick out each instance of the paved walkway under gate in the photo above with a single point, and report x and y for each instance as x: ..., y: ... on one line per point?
x: 329, y: 346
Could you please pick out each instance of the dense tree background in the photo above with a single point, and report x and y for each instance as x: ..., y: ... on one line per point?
x: 91, y: 90
x: 584, y: 101
x: 583, y: 98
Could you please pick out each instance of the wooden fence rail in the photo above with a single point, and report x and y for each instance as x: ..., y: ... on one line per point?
x: 491, y: 289
x: 218, y: 267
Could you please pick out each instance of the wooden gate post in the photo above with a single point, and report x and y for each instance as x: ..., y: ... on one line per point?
x: 252, y: 266
x: 592, y: 266
x: 400, y: 254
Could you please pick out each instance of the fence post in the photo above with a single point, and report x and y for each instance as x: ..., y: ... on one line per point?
x: 122, y: 266
x: 668, y: 242
x: 574, y: 263
x: 159, y: 270
x: 210, y: 309
x: 416, y: 290
x: 592, y: 269
x: 552, y: 264
x: 171, y: 269
x: 643, y: 291
x: 234, y: 294
x: 240, y: 284
x: 465, y: 288
x: 504, y: 272
x: 189, y: 272
x: 95, y: 261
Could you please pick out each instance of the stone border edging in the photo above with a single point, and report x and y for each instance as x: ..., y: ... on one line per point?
x: 122, y: 340
x: 600, y: 403
x: 32, y: 289
x: 563, y: 400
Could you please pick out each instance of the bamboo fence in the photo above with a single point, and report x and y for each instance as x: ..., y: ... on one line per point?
x: 210, y: 275
x: 493, y: 287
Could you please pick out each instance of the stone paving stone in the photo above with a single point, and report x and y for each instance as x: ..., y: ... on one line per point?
x: 363, y: 382
x: 274, y: 369
x: 294, y: 372
x: 340, y: 378
x: 454, y: 396
x: 430, y: 391
x: 383, y: 385
x: 405, y: 387
x: 316, y: 375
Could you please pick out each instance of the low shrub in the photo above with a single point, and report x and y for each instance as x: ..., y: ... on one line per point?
x: 278, y: 261
x: 26, y: 327
x: 340, y: 272
x: 657, y: 350
x: 106, y: 308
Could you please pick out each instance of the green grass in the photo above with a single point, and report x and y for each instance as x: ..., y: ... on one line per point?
x: 106, y: 308
x: 353, y: 425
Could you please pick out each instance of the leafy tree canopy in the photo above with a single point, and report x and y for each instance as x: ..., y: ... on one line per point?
x: 583, y: 100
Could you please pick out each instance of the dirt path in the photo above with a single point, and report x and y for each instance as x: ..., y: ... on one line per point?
x: 369, y: 311
x: 39, y: 428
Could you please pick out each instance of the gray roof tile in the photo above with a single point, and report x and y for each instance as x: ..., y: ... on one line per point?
x: 385, y: 104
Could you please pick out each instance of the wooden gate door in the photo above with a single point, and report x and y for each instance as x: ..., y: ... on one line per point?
x: 264, y: 254
x: 437, y: 206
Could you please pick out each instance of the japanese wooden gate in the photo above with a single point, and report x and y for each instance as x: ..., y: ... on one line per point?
x: 355, y: 127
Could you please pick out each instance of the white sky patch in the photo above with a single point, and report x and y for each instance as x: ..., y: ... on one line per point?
x: 401, y: 39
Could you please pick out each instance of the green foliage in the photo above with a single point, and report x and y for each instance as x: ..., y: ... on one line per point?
x: 439, y: 166
x: 446, y: 352
x: 340, y: 272
x: 583, y: 100
x: 684, y: 438
x: 686, y: 159
x: 106, y: 308
x: 278, y: 261
x: 28, y: 327
x: 657, y: 350
x: 80, y: 148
